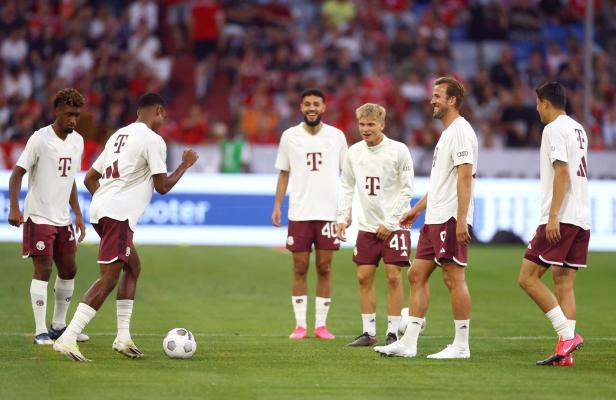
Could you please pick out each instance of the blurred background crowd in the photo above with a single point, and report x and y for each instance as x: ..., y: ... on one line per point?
x: 232, y: 70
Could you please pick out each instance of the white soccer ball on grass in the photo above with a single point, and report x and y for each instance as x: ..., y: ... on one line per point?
x: 179, y: 343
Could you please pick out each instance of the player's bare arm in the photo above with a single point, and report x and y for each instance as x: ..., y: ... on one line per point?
x: 16, y: 218
x: 163, y: 183
x: 91, y: 181
x: 464, y: 188
x: 81, y: 227
x: 281, y: 189
x: 560, y: 185
x: 408, y: 218
x: 382, y: 232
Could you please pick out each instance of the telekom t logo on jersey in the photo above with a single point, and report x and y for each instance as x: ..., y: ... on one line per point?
x: 65, y: 165
x: 314, y: 160
x: 373, y: 183
x: 120, y: 142
x: 580, y: 138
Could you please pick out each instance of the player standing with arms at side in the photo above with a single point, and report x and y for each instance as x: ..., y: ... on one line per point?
x: 381, y: 170
x: 561, y: 240
x: 444, y: 238
x: 311, y: 155
x: 121, y: 181
x: 52, y: 158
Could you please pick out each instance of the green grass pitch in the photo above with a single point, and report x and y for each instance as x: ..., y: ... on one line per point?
x: 236, y: 301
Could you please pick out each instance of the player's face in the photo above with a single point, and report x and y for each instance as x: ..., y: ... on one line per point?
x: 541, y: 109
x: 67, y: 117
x: 371, y: 130
x: 312, y: 107
x: 440, y: 101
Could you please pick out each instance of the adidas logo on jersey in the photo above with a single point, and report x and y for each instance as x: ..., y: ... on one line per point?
x: 404, y: 253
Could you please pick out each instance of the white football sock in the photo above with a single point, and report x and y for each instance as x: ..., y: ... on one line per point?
x: 38, y: 297
x: 369, y: 323
x: 321, y: 310
x: 63, y: 292
x: 463, y: 327
x: 392, y: 324
x: 124, y: 312
x: 559, y: 322
x: 413, y: 328
x: 572, y: 325
x: 83, y: 316
x: 300, y: 305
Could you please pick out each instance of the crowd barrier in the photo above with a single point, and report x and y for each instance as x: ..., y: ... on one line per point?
x: 216, y: 209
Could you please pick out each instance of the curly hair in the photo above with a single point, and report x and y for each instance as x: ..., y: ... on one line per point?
x: 70, y: 97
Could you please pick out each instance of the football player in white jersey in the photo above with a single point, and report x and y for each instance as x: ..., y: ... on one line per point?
x: 310, y: 157
x: 121, y: 181
x: 561, y: 240
x: 443, y: 240
x: 52, y: 157
x: 380, y: 170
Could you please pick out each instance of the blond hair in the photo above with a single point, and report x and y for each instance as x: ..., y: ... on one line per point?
x: 372, y: 111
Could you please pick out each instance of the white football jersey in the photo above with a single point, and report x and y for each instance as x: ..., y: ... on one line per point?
x: 51, y: 164
x: 314, y: 163
x: 383, y: 176
x: 565, y: 140
x: 131, y: 156
x: 456, y: 146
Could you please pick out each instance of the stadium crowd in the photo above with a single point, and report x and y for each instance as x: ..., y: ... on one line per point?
x: 234, y: 69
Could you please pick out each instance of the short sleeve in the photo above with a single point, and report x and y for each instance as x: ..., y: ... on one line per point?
x: 30, y: 155
x: 558, y: 146
x: 157, y: 155
x: 462, y: 148
x: 282, y: 159
x: 98, y: 164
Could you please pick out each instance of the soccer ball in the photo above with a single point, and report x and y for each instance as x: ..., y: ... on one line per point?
x: 404, y: 321
x: 179, y: 343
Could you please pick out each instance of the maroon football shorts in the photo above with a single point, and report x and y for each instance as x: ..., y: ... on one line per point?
x: 303, y: 234
x: 116, y: 240
x: 438, y: 243
x: 48, y: 240
x: 395, y: 250
x: 571, y: 250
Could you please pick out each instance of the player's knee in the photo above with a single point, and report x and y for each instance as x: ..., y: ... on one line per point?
x: 525, y: 281
x: 415, y: 278
x: 324, y: 269
x: 300, y: 271
x: 364, y: 280
x: 393, y: 280
x: 42, y: 269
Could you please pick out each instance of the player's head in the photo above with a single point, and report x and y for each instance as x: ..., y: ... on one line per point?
x: 371, y: 120
x: 447, y: 96
x: 151, y: 110
x: 312, y: 106
x: 550, y: 96
x: 67, y: 105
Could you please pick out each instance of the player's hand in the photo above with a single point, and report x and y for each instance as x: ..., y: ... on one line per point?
x: 16, y: 218
x: 81, y: 227
x: 408, y: 218
x: 462, y: 234
x: 189, y: 157
x: 276, y: 217
x: 552, y: 230
x: 382, y: 233
x: 341, y: 231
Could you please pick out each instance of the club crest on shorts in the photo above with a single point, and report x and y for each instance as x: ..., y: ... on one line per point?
x: 127, y: 251
x: 40, y: 245
x: 290, y: 241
